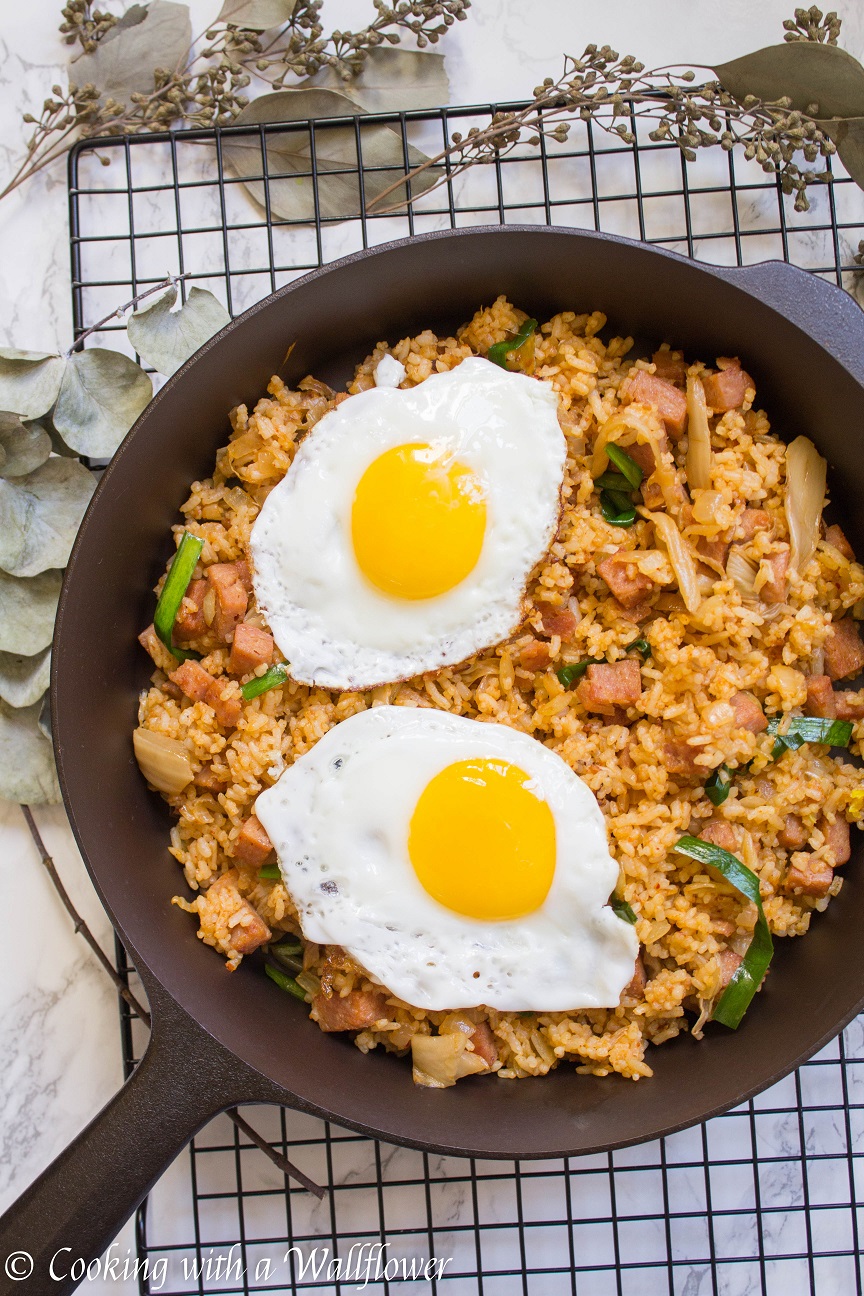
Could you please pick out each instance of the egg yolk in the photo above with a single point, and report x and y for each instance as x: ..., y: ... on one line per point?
x: 482, y: 842
x: 418, y: 521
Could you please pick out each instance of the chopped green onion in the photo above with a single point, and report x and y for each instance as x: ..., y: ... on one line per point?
x: 747, y: 978
x: 271, y: 679
x: 570, y: 674
x: 617, y: 509
x: 801, y: 729
x: 612, y: 481
x: 285, y: 982
x: 626, y: 466
x: 270, y: 871
x: 288, y: 945
x: 289, y: 953
x: 622, y: 908
x: 176, y: 584
x: 499, y: 352
x: 718, y: 786
x: 641, y: 646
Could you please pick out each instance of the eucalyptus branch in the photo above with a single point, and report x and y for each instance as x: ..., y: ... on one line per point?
x: 170, y: 281
x: 281, y: 1162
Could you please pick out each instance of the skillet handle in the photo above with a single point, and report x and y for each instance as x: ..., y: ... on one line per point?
x: 820, y: 309
x: 76, y: 1207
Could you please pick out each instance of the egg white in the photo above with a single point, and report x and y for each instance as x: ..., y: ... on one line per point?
x: 339, y: 819
x: 335, y: 628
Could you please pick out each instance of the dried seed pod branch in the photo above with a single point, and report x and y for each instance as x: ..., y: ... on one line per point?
x: 615, y: 93
x: 206, y: 87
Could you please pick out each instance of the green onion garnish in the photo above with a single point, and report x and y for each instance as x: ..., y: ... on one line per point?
x: 176, y: 584
x: 288, y: 945
x: 834, y: 733
x: 271, y: 679
x: 285, y: 982
x: 626, y: 466
x: 622, y: 908
x: 747, y: 978
x: 270, y: 871
x: 641, y: 646
x: 617, y: 509
x: 289, y: 952
x: 718, y: 786
x: 570, y: 674
x: 612, y: 481
x: 499, y: 352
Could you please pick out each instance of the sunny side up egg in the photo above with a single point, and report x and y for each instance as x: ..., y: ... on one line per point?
x: 460, y: 862
x: 402, y: 538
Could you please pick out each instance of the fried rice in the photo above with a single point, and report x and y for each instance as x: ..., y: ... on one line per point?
x: 647, y: 765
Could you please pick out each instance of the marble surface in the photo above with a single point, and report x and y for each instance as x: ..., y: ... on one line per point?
x: 58, y: 1012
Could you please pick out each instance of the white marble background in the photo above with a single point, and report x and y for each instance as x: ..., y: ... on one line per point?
x: 58, y: 1013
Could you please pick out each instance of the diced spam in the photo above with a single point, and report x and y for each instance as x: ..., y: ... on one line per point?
x: 726, y: 390
x: 679, y: 758
x: 535, y: 656
x: 794, y: 834
x: 774, y: 589
x: 669, y: 402
x: 850, y: 706
x: 232, y: 599
x: 557, y: 620
x: 670, y: 366
x: 250, y: 648
x: 610, y: 685
x: 189, y: 623
x: 483, y: 1042
x: 821, y: 699
x: 844, y: 651
x: 751, y: 522
x: 834, y: 535
x: 748, y: 713
x: 722, y: 834
x: 221, y: 694
x: 627, y: 583
x: 809, y: 878
x: 354, y: 1011
x: 252, y: 844
x: 837, y: 839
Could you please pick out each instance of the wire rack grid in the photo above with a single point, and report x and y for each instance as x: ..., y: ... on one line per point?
x: 765, y: 1199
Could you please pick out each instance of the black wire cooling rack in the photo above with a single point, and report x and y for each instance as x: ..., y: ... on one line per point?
x: 764, y: 1199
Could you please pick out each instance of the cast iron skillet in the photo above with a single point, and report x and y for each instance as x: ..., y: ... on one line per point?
x: 221, y: 1039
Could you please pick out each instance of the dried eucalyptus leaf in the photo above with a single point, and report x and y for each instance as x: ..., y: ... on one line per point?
x: 27, y: 773
x: 256, y: 15
x: 124, y: 65
x: 40, y: 515
x: 289, y: 162
x: 166, y: 338
x: 134, y: 15
x: 27, y: 611
x: 23, y: 680
x: 848, y: 135
x: 24, y: 445
x: 44, y: 720
x: 29, y: 381
x: 392, y: 80
x: 804, y: 71
x: 101, y: 396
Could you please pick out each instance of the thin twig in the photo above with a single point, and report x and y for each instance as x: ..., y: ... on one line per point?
x: 80, y: 925
x: 171, y: 281
x: 281, y: 1162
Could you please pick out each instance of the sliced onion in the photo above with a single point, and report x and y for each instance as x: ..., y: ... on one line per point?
x: 440, y: 1060
x: 163, y: 761
x: 806, y: 473
x: 742, y: 573
x: 698, y: 462
x: 680, y: 556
